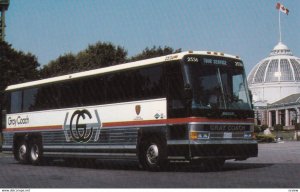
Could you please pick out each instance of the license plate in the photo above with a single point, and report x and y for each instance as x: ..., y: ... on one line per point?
x: 227, y: 135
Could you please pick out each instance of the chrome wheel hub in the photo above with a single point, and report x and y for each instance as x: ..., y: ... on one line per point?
x: 22, y: 151
x: 152, y: 154
x: 34, y: 152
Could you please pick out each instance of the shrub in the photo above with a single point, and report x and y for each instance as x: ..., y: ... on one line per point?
x: 265, y: 138
x: 257, y: 129
x: 263, y: 127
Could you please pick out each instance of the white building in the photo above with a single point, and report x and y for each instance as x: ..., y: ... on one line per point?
x: 272, y: 80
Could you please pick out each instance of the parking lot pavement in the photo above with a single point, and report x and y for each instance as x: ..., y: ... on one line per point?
x: 283, y: 152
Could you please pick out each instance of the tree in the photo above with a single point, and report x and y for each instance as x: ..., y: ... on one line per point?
x: 154, y: 52
x: 62, y: 65
x: 100, y: 54
x: 16, y: 66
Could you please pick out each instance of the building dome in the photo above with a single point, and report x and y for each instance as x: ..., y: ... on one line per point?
x: 275, y: 77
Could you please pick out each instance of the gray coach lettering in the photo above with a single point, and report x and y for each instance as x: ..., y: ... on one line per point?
x: 227, y: 128
x: 11, y: 121
x: 22, y: 121
x: 18, y: 121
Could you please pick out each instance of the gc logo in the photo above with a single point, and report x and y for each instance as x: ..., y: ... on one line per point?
x: 81, y: 132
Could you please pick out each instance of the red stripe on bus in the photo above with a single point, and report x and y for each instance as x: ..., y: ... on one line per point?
x: 141, y: 123
x: 51, y: 127
x: 176, y: 121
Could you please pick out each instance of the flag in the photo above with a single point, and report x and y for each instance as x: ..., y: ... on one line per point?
x: 281, y: 8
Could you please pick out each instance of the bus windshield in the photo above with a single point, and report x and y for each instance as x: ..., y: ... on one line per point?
x: 217, y: 83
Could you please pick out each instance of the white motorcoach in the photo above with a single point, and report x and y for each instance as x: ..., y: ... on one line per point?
x: 187, y: 106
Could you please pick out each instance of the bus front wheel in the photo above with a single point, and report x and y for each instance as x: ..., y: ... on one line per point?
x: 153, y: 155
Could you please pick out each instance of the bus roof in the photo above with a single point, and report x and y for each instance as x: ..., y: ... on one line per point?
x: 120, y: 67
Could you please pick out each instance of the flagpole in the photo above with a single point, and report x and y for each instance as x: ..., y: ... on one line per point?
x: 279, y: 21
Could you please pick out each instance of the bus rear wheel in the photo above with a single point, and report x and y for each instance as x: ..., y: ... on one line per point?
x: 153, y: 155
x: 36, y: 155
x: 22, y: 153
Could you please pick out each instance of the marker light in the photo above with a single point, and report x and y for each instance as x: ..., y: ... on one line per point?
x: 193, y: 135
x: 203, y: 135
x: 215, y: 53
x: 199, y: 135
x: 247, y: 135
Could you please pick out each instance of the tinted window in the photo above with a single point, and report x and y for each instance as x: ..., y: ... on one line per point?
x: 71, y: 94
x: 47, y: 97
x: 130, y: 85
x: 121, y: 87
x: 93, y: 91
x: 148, y: 82
x: 16, y: 102
x: 29, y: 97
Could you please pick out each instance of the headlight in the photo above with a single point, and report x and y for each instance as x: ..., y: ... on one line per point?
x: 199, y: 135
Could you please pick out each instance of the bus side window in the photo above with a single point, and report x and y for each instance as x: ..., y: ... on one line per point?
x: 148, y: 83
x: 47, y: 97
x: 93, y: 91
x: 16, y: 102
x: 29, y: 98
x: 70, y: 94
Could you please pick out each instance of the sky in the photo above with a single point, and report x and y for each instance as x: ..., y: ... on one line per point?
x: 247, y: 28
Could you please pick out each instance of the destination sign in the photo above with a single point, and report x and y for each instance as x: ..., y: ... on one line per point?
x: 206, y: 60
x: 214, y: 61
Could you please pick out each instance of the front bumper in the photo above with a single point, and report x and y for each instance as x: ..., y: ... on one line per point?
x: 225, y: 149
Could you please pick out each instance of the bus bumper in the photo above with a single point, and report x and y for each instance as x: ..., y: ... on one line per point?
x: 223, y: 149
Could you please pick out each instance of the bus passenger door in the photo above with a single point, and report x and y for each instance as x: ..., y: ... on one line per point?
x: 175, y: 91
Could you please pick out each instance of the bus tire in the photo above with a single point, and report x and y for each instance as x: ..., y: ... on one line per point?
x: 22, y: 153
x: 35, y: 153
x: 153, y: 155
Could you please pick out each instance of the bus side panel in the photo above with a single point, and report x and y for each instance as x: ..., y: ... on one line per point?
x: 109, y: 129
x: 116, y: 141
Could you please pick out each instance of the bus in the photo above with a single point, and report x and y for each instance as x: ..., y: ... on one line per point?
x: 192, y: 106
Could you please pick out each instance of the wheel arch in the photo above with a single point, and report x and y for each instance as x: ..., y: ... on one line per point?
x: 147, y: 133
